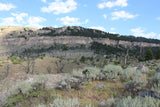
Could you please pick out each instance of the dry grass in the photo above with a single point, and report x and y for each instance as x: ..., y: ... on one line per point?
x: 92, y: 95
x: 40, y: 66
x: 9, y: 29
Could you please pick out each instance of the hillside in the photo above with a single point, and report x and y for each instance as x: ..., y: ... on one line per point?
x: 71, y: 40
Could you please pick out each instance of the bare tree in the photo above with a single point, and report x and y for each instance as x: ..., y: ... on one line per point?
x: 126, y: 56
x: 7, y: 69
x: 29, y: 65
x: 49, y: 69
x: 101, y: 60
x: 60, y: 65
x: 129, y: 47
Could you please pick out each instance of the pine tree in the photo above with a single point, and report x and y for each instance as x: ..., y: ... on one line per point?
x: 149, y: 55
x: 158, y: 54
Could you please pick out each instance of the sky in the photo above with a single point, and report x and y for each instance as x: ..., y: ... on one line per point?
x: 140, y: 18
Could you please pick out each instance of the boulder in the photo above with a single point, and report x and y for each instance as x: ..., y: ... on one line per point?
x: 149, y: 93
x: 100, y: 86
x: 158, y: 68
x: 143, y: 68
x: 67, y: 84
x: 102, y: 103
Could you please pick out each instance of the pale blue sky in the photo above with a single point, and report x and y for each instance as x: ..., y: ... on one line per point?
x: 126, y: 17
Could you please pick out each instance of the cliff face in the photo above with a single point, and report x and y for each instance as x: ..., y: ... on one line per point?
x: 23, y: 38
x: 43, y: 40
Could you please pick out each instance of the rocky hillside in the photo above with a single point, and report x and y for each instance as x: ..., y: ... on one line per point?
x: 22, y: 40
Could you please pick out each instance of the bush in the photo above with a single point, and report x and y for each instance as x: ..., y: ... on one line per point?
x: 116, y: 62
x: 69, y: 83
x: 89, y: 73
x: 158, y: 68
x: 140, y: 59
x: 110, y: 102
x: 25, y: 87
x: 138, y: 102
x: 78, y: 73
x: 59, y: 102
x: 111, y: 72
x: 158, y: 54
x: 65, y: 103
x: 129, y: 73
x: 83, y: 59
x: 135, y: 85
x: 14, y: 60
x: 93, y: 73
x: 149, y: 55
x: 155, y: 82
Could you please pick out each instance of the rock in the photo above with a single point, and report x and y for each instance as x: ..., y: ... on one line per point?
x: 100, y: 86
x: 143, y: 68
x: 63, y: 85
x: 158, y: 68
x: 149, y: 93
x: 75, y: 83
x: 102, y: 103
x: 67, y: 84
x: 116, y: 99
x: 53, y: 86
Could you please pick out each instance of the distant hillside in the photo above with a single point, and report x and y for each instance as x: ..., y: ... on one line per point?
x: 70, y: 41
x: 80, y: 31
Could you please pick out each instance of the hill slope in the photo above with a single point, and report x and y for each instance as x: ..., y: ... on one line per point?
x: 73, y: 39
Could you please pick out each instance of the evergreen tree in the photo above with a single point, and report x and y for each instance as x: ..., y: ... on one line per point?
x: 158, y: 54
x: 149, y: 55
x: 83, y: 59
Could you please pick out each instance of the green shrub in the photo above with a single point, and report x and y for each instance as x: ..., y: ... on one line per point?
x: 1, y: 65
x: 149, y: 55
x: 22, y: 87
x: 65, y: 103
x: 112, y: 68
x: 83, y: 59
x: 14, y: 60
x: 92, y: 73
x: 110, y: 102
x: 59, y: 102
x: 158, y: 54
x: 26, y: 87
x: 158, y: 68
x: 155, y: 82
x: 78, y: 73
x: 135, y: 85
x: 140, y: 59
x: 41, y: 57
x: 138, y: 102
x: 129, y: 73
x: 116, y: 62
x: 111, y: 72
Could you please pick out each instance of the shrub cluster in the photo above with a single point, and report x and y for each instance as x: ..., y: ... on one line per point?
x: 158, y: 68
x: 26, y: 87
x: 109, y: 72
x: 59, y: 102
x: 155, y: 82
x: 138, y: 102
x: 135, y: 85
x: 88, y: 73
x: 69, y: 83
x: 129, y: 73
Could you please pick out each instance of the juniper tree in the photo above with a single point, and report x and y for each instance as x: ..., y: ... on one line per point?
x: 158, y: 54
x: 149, y: 55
